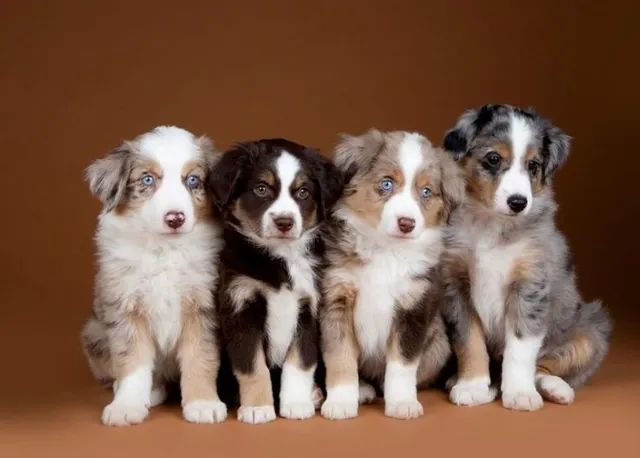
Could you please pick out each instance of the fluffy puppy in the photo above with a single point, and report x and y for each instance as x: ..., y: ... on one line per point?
x: 380, y: 317
x: 509, y: 280
x: 157, y: 250
x: 273, y: 196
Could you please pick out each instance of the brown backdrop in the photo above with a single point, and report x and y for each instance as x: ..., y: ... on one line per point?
x: 78, y: 77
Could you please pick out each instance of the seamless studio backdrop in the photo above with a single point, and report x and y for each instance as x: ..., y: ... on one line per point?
x: 77, y: 78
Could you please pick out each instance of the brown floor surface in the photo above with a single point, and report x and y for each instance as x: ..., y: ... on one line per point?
x: 604, y: 420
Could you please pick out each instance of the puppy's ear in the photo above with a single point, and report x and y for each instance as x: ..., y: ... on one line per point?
x: 209, y: 153
x: 107, y: 177
x: 452, y: 182
x: 226, y: 176
x: 330, y: 182
x: 458, y: 140
x: 355, y: 153
x: 555, y: 149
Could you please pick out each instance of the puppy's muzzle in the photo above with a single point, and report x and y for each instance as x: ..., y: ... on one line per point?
x: 174, y: 219
x: 283, y: 223
x: 406, y: 225
x: 517, y: 203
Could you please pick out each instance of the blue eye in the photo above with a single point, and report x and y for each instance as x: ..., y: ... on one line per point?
x: 192, y: 181
x: 386, y: 185
x: 147, y: 180
x: 425, y: 192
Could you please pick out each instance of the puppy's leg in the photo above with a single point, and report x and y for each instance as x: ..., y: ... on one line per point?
x: 436, y: 353
x: 133, y: 353
x: 256, y: 396
x: 473, y: 382
x: 400, y: 384
x: 297, y: 387
x: 340, y: 353
x: 527, y: 307
x: 95, y: 344
x: 198, y: 356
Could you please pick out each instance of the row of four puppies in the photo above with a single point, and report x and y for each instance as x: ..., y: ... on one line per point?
x: 246, y: 253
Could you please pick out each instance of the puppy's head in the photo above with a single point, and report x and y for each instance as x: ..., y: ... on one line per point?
x: 155, y: 183
x: 398, y: 183
x: 509, y: 156
x: 274, y: 190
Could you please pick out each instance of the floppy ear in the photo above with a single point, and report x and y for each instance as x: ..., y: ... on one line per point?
x: 107, y: 177
x: 209, y: 153
x: 457, y: 140
x: 226, y: 176
x: 354, y: 152
x: 330, y: 181
x: 555, y: 149
x: 452, y: 182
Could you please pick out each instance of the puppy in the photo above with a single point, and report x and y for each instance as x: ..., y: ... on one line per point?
x: 273, y: 196
x: 509, y: 280
x: 380, y: 318
x: 157, y: 250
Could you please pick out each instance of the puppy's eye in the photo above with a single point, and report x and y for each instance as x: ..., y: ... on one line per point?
x: 261, y: 190
x: 425, y: 192
x: 147, y: 180
x: 386, y: 185
x: 302, y: 194
x: 534, y: 167
x: 192, y: 181
x: 493, y: 159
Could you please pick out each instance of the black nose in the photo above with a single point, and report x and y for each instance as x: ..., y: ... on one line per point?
x: 406, y: 225
x: 517, y: 203
x: 174, y: 219
x: 283, y: 223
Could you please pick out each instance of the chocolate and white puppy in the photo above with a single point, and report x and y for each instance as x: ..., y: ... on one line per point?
x: 153, y: 314
x: 380, y: 316
x: 273, y: 196
x: 510, y: 288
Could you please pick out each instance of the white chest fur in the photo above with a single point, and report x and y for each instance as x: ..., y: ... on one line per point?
x: 283, y: 305
x: 384, y: 278
x: 490, y: 274
x: 160, y: 273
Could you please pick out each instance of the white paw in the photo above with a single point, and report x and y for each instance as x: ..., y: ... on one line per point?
x: 339, y: 410
x: 526, y: 400
x: 204, y: 411
x: 256, y: 415
x: 317, y: 396
x: 158, y: 395
x: 555, y: 389
x: 297, y: 410
x: 404, y: 410
x: 117, y: 414
x: 366, y: 393
x: 472, y: 393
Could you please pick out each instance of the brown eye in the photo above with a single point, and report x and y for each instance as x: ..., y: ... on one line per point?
x: 534, y: 167
x: 493, y: 159
x: 260, y: 190
x: 302, y: 194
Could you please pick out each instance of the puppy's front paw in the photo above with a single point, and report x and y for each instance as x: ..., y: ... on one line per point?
x: 404, y: 410
x: 472, y: 392
x: 554, y: 389
x: 297, y: 410
x: 317, y: 396
x: 118, y: 414
x: 256, y: 414
x: 339, y: 410
x: 366, y: 393
x: 204, y: 411
x: 527, y: 400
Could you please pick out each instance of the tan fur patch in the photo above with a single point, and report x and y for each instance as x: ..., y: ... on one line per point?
x: 141, y: 347
x: 268, y: 177
x: 578, y: 353
x: 255, y: 388
x: 473, y: 359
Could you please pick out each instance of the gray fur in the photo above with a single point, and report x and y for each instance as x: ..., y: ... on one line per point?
x: 108, y: 176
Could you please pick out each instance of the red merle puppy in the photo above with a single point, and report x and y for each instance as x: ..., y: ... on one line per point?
x: 273, y: 196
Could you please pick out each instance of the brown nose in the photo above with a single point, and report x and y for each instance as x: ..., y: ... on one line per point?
x: 283, y: 223
x: 174, y: 219
x: 406, y: 225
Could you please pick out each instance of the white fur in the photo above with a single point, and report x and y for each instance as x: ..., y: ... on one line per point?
x: 366, y: 393
x: 256, y: 414
x: 403, y: 204
x: 171, y: 148
x: 341, y: 402
x: 554, y: 389
x: 516, y: 179
x: 132, y: 398
x: 296, y: 392
x: 287, y: 167
x: 518, y: 372
x: 472, y: 392
x: 400, y: 392
x: 493, y: 262
x: 204, y: 411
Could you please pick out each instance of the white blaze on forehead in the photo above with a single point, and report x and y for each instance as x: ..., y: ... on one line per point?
x: 410, y: 158
x: 168, y: 145
x: 515, y: 180
x: 287, y: 167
